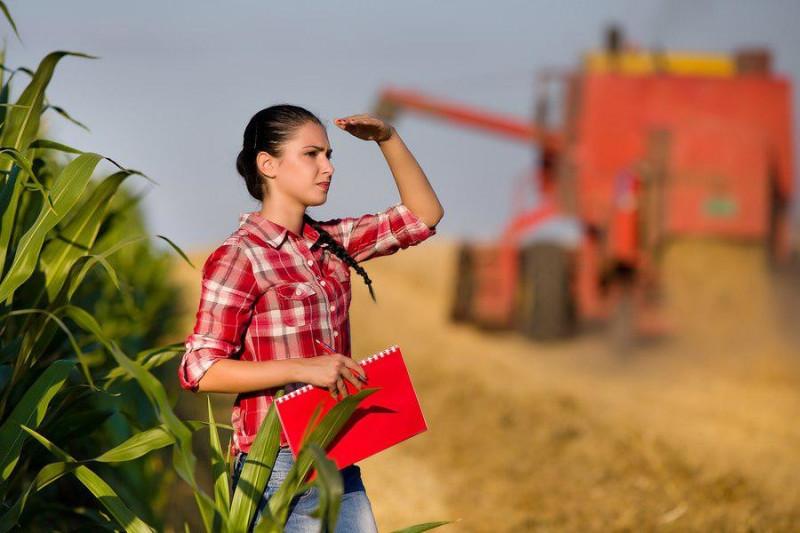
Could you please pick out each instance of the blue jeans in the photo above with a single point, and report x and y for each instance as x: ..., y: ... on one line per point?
x: 355, y: 513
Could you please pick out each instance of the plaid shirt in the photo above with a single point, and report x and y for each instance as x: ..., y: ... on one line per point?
x: 268, y: 293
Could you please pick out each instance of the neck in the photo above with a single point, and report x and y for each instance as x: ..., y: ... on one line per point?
x: 287, y: 214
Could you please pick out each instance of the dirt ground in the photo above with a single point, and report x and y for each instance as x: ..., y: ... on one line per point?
x: 695, y: 432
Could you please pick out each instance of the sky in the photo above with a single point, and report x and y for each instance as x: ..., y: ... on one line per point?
x: 176, y: 82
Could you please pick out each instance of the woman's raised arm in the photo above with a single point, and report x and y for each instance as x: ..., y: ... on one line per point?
x: 415, y: 190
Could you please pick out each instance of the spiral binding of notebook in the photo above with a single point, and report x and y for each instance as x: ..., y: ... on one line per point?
x: 305, y: 388
x: 382, y: 419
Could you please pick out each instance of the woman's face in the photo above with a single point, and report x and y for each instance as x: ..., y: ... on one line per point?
x: 304, y: 171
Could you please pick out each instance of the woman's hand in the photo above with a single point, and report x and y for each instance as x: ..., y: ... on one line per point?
x: 330, y: 371
x: 366, y: 127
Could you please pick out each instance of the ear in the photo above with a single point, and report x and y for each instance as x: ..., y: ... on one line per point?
x: 266, y: 164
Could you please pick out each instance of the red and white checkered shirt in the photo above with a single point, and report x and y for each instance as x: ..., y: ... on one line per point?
x: 268, y: 293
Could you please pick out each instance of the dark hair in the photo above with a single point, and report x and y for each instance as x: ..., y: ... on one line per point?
x: 267, y: 131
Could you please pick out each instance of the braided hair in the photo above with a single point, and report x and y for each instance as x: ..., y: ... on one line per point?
x: 342, y: 254
x: 267, y: 131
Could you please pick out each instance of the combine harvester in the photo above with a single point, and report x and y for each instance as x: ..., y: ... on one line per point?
x: 650, y: 146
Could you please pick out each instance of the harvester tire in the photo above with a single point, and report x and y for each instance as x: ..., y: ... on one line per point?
x: 464, y: 284
x: 545, y: 307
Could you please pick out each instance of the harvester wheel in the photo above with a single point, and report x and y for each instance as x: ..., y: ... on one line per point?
x: 545, y: 307
x: 463, y: 289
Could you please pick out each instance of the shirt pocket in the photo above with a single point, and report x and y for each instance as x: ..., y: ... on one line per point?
x: 296, y: 303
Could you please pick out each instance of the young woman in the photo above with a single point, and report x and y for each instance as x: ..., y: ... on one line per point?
x: 281, y: 282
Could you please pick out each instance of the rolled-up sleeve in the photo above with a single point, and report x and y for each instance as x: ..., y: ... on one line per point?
x: 379, y: 234
x: 228, y: 292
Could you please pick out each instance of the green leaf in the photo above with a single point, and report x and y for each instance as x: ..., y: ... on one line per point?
x: 138, y: 445
x: 22, y: 361
x: 53, y: 145
x: 48, y: 474
x: 61, y: 111
x: 255, y: 473
x: 52, y: 448
x: 10, y: 20
x: 85, y: 265
x: 421, y: 527
x: 219, y: 472
x: 329, y: 484
x: 148, y: 359
x: 78, y: 236
x: 101, y: 490
x: 19, y: 129
x: 182, y: 456
x: 21, y: 161
x: 18, y: 158
x: 68, y: 187
x: 337, y: 417
x: 177, y: 249
x: 22, y: 126
x: 29, y: 412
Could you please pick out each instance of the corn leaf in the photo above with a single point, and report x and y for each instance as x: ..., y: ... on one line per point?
x: 22, y: 161
x: 329, y: 484
x: 22, y: 360
x: 255, y: 473
x: 53, y: 145
x: 19, y: 129
x: 219, y: 472
x: 29, y: 412
x: 21, y: 126
x: 99, y: 488
x: 68, y: 187
x: 182, y: 456
x: 138, y: 445
x: 177, y: 249
x: 78, y: 236
x: 48, y: 474
x: 421, y: 527
x: 9, y: 19
x: 152, y: 358
x: 61, y: 111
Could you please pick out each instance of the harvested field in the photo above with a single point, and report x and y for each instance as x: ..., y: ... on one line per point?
x: 696, y: 432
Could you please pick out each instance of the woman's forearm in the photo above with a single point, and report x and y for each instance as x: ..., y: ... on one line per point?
x: 416, y: 192
x: 234, y: 376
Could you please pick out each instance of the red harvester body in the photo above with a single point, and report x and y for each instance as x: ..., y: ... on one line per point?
x: 650, y: 146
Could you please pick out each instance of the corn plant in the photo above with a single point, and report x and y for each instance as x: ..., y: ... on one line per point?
x: 68, y: 389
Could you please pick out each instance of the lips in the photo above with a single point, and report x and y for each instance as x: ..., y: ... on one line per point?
x: 325, y: 185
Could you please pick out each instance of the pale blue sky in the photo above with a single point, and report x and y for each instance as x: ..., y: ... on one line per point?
x: 177, y: 82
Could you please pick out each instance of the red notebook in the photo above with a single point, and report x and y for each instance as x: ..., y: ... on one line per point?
x: 390, y: 415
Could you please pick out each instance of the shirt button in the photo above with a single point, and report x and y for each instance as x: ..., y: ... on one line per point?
x: 298, y: 291
x: 335, y: 333
x: 322, y: 283
x: 310, y: 262
x: 333, y: 308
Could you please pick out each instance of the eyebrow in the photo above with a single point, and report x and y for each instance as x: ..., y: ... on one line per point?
x: 330, y: 151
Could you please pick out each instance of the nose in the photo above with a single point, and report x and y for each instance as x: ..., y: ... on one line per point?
x: 327, y: 166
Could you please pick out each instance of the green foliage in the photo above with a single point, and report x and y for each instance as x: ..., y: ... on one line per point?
x: 66, y: 328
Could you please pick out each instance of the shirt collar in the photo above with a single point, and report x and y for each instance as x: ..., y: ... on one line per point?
x: 271, y: 232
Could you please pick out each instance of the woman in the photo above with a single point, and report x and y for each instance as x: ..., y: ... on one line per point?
x: 280, y: 284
